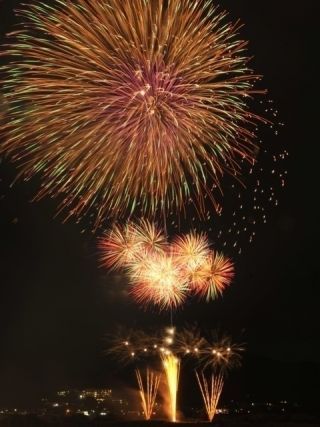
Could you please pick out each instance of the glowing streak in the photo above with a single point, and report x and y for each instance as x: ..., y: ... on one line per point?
x: 171, y: 366
x: 148, y: 393
x: 211, y: 391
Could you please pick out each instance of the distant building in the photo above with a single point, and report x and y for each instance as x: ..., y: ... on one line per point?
x: 88, y: 402
x: 100, y: 395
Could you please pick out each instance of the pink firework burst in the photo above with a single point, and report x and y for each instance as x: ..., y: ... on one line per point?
x: 212, y: 277
x: 118, y: 246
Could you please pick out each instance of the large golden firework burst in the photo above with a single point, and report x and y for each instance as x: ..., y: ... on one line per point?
x: 127, y: 105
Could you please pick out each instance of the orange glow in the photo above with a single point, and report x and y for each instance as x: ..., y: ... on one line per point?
x: 171, y: 365
x: 148, y: 392
x: 210, y: 391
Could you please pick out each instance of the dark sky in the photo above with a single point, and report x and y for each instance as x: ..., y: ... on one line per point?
x: 56, y: 304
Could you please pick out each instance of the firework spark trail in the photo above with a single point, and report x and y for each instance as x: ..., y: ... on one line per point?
x: 247, y: 205
x: 128, y: 106
x: 171, y: 365
x: 210, y: 391
x: 148, y: 393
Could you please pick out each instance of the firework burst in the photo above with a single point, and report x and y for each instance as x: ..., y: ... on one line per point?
x: 158, y: 280
x: 222, y: 354
x: 150, y: 238
x: 191, y: 250
x: 122, y: 246
x: 219, y: 352
x: 212, y: 277
x: 188, y: 341
x: 119, y: 246
x: 126, y: 105
x: 163, y: 273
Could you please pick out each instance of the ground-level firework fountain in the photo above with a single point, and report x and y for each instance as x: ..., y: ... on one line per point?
x: 213, y: 352
x: 171, y: 365
x: 211, y: 390
x: 148, y: 392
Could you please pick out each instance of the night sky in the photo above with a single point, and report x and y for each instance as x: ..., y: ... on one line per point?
x: 56, y: 304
